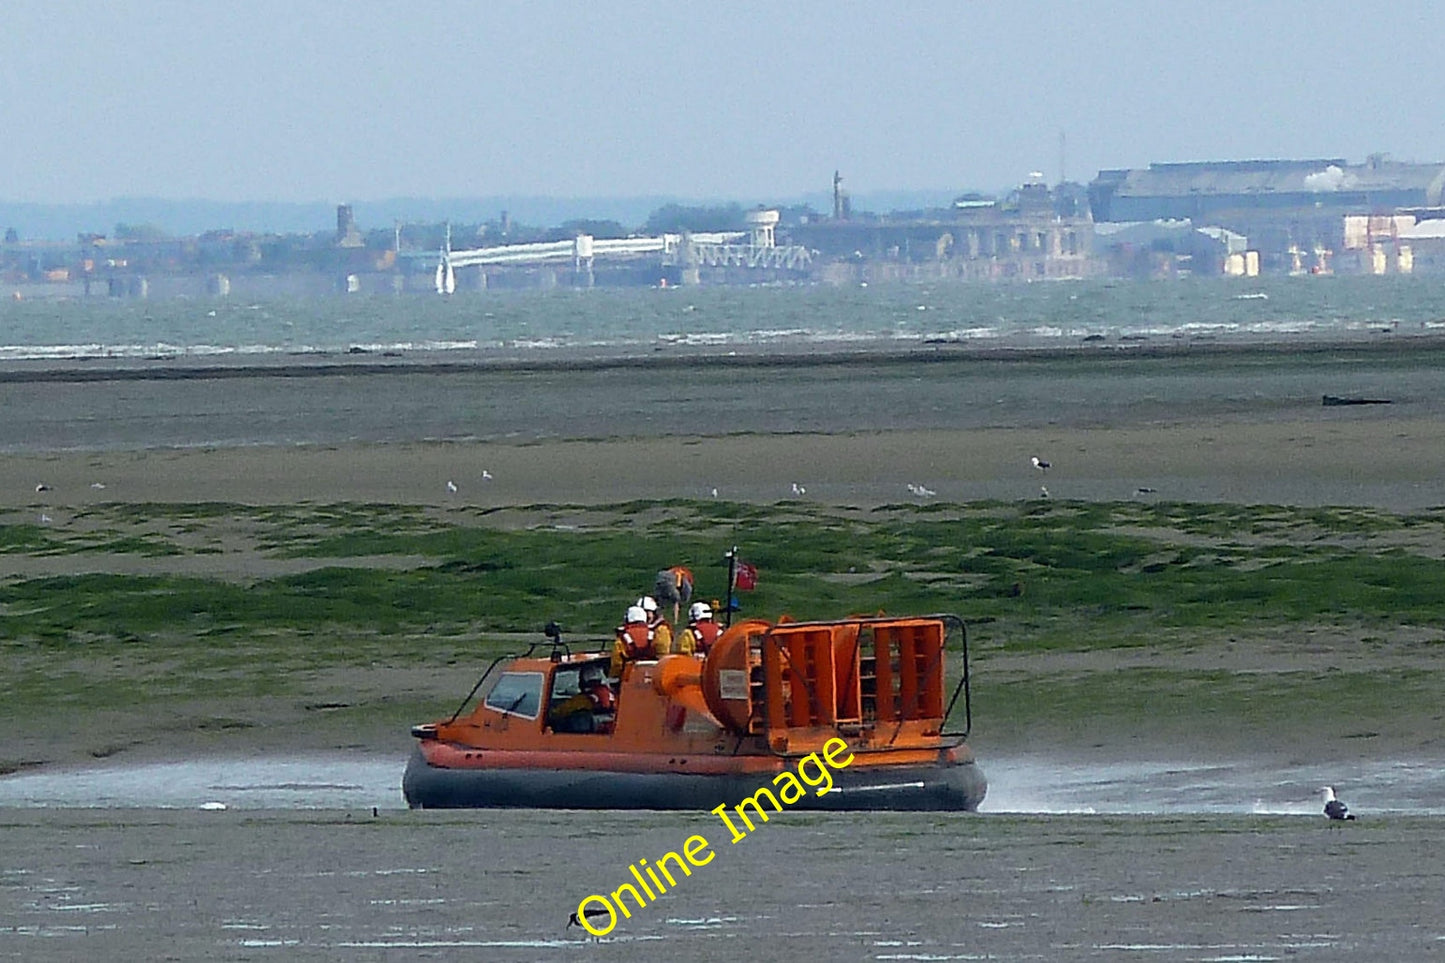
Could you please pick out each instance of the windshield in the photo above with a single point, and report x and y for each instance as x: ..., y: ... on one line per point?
x: 517, y: 693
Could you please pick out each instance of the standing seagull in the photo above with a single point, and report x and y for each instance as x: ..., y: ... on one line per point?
x: 1334, y: 809
x: 1039, y: 463
x: 452, y: 487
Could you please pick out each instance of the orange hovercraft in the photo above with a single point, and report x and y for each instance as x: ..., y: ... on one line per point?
x: 689, y: 732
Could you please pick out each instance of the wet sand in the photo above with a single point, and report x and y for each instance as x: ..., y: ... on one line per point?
x: 1396, y: 464
x: 500, y: 885
x: 1237, y: 427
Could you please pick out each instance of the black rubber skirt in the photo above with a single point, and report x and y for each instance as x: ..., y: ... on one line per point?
x: 958, y: 787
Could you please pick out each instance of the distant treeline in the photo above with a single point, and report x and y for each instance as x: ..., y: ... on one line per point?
x: 651, y: 214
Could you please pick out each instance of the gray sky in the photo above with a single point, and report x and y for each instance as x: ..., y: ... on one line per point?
x: 290, y: 100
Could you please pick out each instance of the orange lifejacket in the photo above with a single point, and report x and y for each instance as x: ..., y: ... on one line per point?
x: 706, y: 633
x: 636, y: 641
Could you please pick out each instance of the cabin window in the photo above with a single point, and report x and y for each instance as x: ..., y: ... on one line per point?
x: 565, y: 684
x: 517, y: 694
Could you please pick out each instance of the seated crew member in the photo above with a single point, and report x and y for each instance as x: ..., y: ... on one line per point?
x: 673, y: 586
x: 580, y: 712
x: 632, y: 642
x: 701, y: 628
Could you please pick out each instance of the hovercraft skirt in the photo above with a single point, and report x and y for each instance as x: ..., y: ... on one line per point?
x: 959, y: 787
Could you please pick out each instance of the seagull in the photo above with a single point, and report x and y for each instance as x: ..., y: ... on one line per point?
x: 921, y: 491
x: 1039, y: 463
x: 452, y: 487
x: 714, y: 493
x: 1334, y: 809
x: 799, y: 489
x: 98, y: 486
x: 1043, y: 492
x: 45, y: 519
x: 486, y: 475
x: 42, y: 487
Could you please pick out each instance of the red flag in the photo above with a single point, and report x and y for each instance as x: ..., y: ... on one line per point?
x: 747, y: 577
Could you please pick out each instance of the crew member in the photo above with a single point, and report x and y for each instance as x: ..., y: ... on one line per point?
x: 701, y: 628
x: 658, y: 628
x: 673, y: 586
x: 633, y: 641
x: 580, y: 713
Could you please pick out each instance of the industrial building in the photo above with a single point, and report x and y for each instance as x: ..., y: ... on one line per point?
x: 1036, y: 232
x: 1293, y: 212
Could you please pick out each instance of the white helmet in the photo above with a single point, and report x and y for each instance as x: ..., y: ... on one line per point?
x: 699, y: 611
x: 647, y: 603
x: 636, y: 613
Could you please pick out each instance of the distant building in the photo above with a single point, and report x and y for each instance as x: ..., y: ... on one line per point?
x: 1206, y: 192
x: 1164, y: 249
x: 347, y: 233
x: 1291, y: 211
x: 1034, y: 233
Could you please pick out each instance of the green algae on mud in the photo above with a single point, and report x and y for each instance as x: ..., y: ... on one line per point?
x: 1198, y: 611
x: 1125, y: 568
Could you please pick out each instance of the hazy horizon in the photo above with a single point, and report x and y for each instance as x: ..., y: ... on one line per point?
x: 328, y: 102
x: 180, y: 217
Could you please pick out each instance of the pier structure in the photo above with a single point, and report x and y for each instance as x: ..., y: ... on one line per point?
x: 754, y: 250
x: 760, y: 252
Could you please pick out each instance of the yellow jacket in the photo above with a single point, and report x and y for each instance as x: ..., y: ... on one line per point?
x: 662, y: 639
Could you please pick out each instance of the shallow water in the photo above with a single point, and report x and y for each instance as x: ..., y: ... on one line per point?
x: 1022, y: 784
x: 593, y: 323
x: 1169, y: 788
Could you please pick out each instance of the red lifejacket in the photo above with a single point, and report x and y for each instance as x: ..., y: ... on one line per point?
x: 636, y: 641
x: 602, y: 699
x: 706, y: 633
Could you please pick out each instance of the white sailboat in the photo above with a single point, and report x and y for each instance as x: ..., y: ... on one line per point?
x: 446, y: 279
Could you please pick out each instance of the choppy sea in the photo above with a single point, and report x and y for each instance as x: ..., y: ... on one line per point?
x: 572, y: 323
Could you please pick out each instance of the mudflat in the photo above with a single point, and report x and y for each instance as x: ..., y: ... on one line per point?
x: 1392, y: 463
x: 91, y: 460
x: 1243, y: 426
x: 191, y: 478
x: 329, y: 885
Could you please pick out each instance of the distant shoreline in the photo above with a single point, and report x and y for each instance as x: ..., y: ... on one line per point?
x: 330, y: 364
